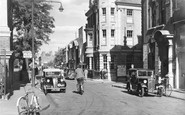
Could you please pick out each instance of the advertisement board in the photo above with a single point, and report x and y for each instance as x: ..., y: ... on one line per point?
x: 121, y: 70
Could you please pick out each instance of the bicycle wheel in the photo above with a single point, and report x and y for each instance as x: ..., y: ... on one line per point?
x: 168, y: 90
x: 22, y: 106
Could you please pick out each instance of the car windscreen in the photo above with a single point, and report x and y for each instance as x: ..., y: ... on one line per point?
x: 132, y: 71
x: 52, y: 73
x: 144, y: 73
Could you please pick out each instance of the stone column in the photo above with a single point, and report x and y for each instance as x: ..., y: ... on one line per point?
x: 90, y: 63
x: 101, y: 62
x: 170, y: 64
x: 108, y: 66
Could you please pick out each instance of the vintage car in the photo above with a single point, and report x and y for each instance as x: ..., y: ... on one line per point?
x: 71, y: 74
x: 53, y: 80
x: 140, y: 80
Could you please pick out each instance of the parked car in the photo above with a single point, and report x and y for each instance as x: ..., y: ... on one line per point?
x: 53, y: 80
x: 141, y: 81
x: 71, y: 74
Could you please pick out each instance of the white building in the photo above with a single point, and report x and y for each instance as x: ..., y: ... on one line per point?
x: 113, y: 28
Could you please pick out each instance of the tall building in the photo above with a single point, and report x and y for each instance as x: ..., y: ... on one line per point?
x: 163, y: 33
x: 113, y: 33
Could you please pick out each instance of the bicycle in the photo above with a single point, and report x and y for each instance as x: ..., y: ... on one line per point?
x: 27, y: 106
x: 165, y: 88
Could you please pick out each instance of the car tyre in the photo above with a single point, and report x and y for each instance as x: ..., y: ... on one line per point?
x: 63, y: 91
x: 160, y: 92
x: 45, y: 91
x: 128, y: 88
x: 141, y: 91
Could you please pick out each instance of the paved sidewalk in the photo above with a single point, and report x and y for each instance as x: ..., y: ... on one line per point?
x: 8, y: 107
x: 178, y: 94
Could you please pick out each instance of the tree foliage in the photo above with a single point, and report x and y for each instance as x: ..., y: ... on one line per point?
x: 58, y: 57
x: 22, y: 17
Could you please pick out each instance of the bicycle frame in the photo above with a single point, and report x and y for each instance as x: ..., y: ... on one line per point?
x: 165, y: 87
x: 31, y: 106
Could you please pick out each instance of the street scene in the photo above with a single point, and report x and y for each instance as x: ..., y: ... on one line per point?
x: 103, y: 99
x: 92, y: 57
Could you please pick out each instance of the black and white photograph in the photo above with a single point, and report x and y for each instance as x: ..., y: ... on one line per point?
x: 92, y: 57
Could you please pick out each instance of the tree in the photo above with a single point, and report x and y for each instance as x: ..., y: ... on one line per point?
x: 43, y: 24
x: 58, y: 57
x: 22, y: 18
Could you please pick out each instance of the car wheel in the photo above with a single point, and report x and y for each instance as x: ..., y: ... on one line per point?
x: 45, y: 91
x: 160, y: 92
x: 128, y: 88
x: 141, y: 91
x: 64, y: 91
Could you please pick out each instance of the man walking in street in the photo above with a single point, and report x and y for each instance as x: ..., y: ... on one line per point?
x: 80, y: 79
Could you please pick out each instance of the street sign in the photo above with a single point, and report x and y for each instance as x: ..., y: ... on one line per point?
x: 27, y: 54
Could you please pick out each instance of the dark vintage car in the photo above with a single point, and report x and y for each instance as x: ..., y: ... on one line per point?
x: 53, y: 80
x: 141, y: 81
x: 71, y: 74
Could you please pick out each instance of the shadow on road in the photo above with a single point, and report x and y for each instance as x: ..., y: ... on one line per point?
x: 77, y: 92
x: 136, y: 94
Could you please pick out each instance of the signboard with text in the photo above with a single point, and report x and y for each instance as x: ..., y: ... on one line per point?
x: 121, y: 70
x: 27, y: 54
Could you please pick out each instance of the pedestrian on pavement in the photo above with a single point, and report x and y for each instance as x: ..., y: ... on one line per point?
x: 86, y: 73
x: 79, y: 77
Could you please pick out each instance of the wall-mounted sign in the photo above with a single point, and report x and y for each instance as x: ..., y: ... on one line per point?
x: 121, y: 70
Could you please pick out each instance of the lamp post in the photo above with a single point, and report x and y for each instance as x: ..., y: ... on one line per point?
x: 33, y: 38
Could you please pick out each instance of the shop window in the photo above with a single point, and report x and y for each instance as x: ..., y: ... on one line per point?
x: 104, y: 61
x: 112, y: 61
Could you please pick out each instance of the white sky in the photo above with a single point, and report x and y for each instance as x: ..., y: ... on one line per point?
x: 66, y: 23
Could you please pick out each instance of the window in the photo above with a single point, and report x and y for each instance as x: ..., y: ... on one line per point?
x: 112, y: 61
x: 129, y: 12
x: 104, y: 33
x: 129, y: 33
x: 104, y: 61
x: 104, y: 11
x: 112, y: 11
x: 112, y: 32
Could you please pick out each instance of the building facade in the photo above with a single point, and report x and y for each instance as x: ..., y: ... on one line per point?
x: 163, y: 35
x: 75, y: 52
x: 113, y: 33
x: 6, y: 62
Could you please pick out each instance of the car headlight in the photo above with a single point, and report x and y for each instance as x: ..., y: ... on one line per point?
x: 61, y: 80
x: 48, y: 80
x: 145, y: 81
